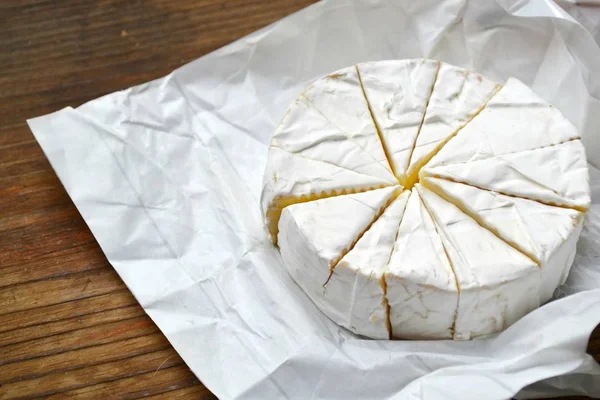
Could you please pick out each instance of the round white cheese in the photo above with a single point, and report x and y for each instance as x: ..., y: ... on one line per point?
x: 413, y: 199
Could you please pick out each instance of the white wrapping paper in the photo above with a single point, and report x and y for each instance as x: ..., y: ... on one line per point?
x: 586, y: 12
x: 168, y: 174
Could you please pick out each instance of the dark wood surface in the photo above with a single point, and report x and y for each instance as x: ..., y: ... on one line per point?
x: 68, y: 325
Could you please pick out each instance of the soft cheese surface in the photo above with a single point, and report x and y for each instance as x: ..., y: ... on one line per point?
x: 458, y: 96
x: 542, y: 232
x: 398, y: 92
x: 421, y: 287
x: 414, y: 199
x: 327, y: 142
x: 314, y: 236
x: 555, y: 175
x: 514, y: 120
x: 497, y: 284
x: 363, y: 309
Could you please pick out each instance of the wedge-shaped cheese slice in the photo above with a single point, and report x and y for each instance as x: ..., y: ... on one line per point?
x: 356, y: 289
x: 514, y: 120
x: 314, y: 236
x: 546, y: 234
x: 555, y: 175
x: 327, y: 142
x: 421, y: 287
x: 398, y: 92
x: 497, y: 284
x: 458, y: 95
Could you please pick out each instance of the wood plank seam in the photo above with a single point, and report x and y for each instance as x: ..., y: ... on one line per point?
x: 66, y: 301
x: 87, y: 242
x: 131, y: 306
x: 147, y: 321
x: 68, y: 318
x: 92, y: 364
x: 137, y: 373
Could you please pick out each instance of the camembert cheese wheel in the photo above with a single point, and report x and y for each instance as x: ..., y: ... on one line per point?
x: 413, y: 199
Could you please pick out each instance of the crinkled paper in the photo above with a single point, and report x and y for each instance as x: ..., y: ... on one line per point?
x: 168, y: 175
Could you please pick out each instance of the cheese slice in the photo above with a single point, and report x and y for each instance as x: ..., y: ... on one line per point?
x: 421, y: 287
x: 356, y: 289
x: 314, y: 236
x: 458, y: 95
x: 326, y: 144
x: 397, y: 92
x: 546, y: 234
x: 514, y: 120
x: 497, y: 284
x: 555, y: 175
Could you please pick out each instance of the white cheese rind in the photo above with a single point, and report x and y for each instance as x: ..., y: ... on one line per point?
x: 355, y: 290
x: 326, y: 142
x: 421, y: 287
x: 458, y: 95
x: 314, y: 235
x: 292, y: 175
x: 398, y: 91
x: 565, y: 255
x: 545, y: 233
x: 514, y: 120
x: 424, y: 269
x: 498, y: 285
x: 556, y: 175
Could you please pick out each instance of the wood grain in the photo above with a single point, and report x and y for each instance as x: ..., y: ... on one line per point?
x: 68, y: 325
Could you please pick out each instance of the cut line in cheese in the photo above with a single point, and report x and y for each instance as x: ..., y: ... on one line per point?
x: 498, y: 284
x: 326, y: 144
x: 413, y: 199
x: 397, y: 92
x: 514, y: 120
x: 554, y: 175
x: 457, y: 98
x: 396, y: 192
x: 314, y: 236
x: 421, y: 286
x: 386, y: 150
x: 356, y: 288
x: 277, y: 205
x: 543, y: 233
x: 409, y: 179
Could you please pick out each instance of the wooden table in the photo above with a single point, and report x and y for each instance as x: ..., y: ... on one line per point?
x: 68, y: 325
